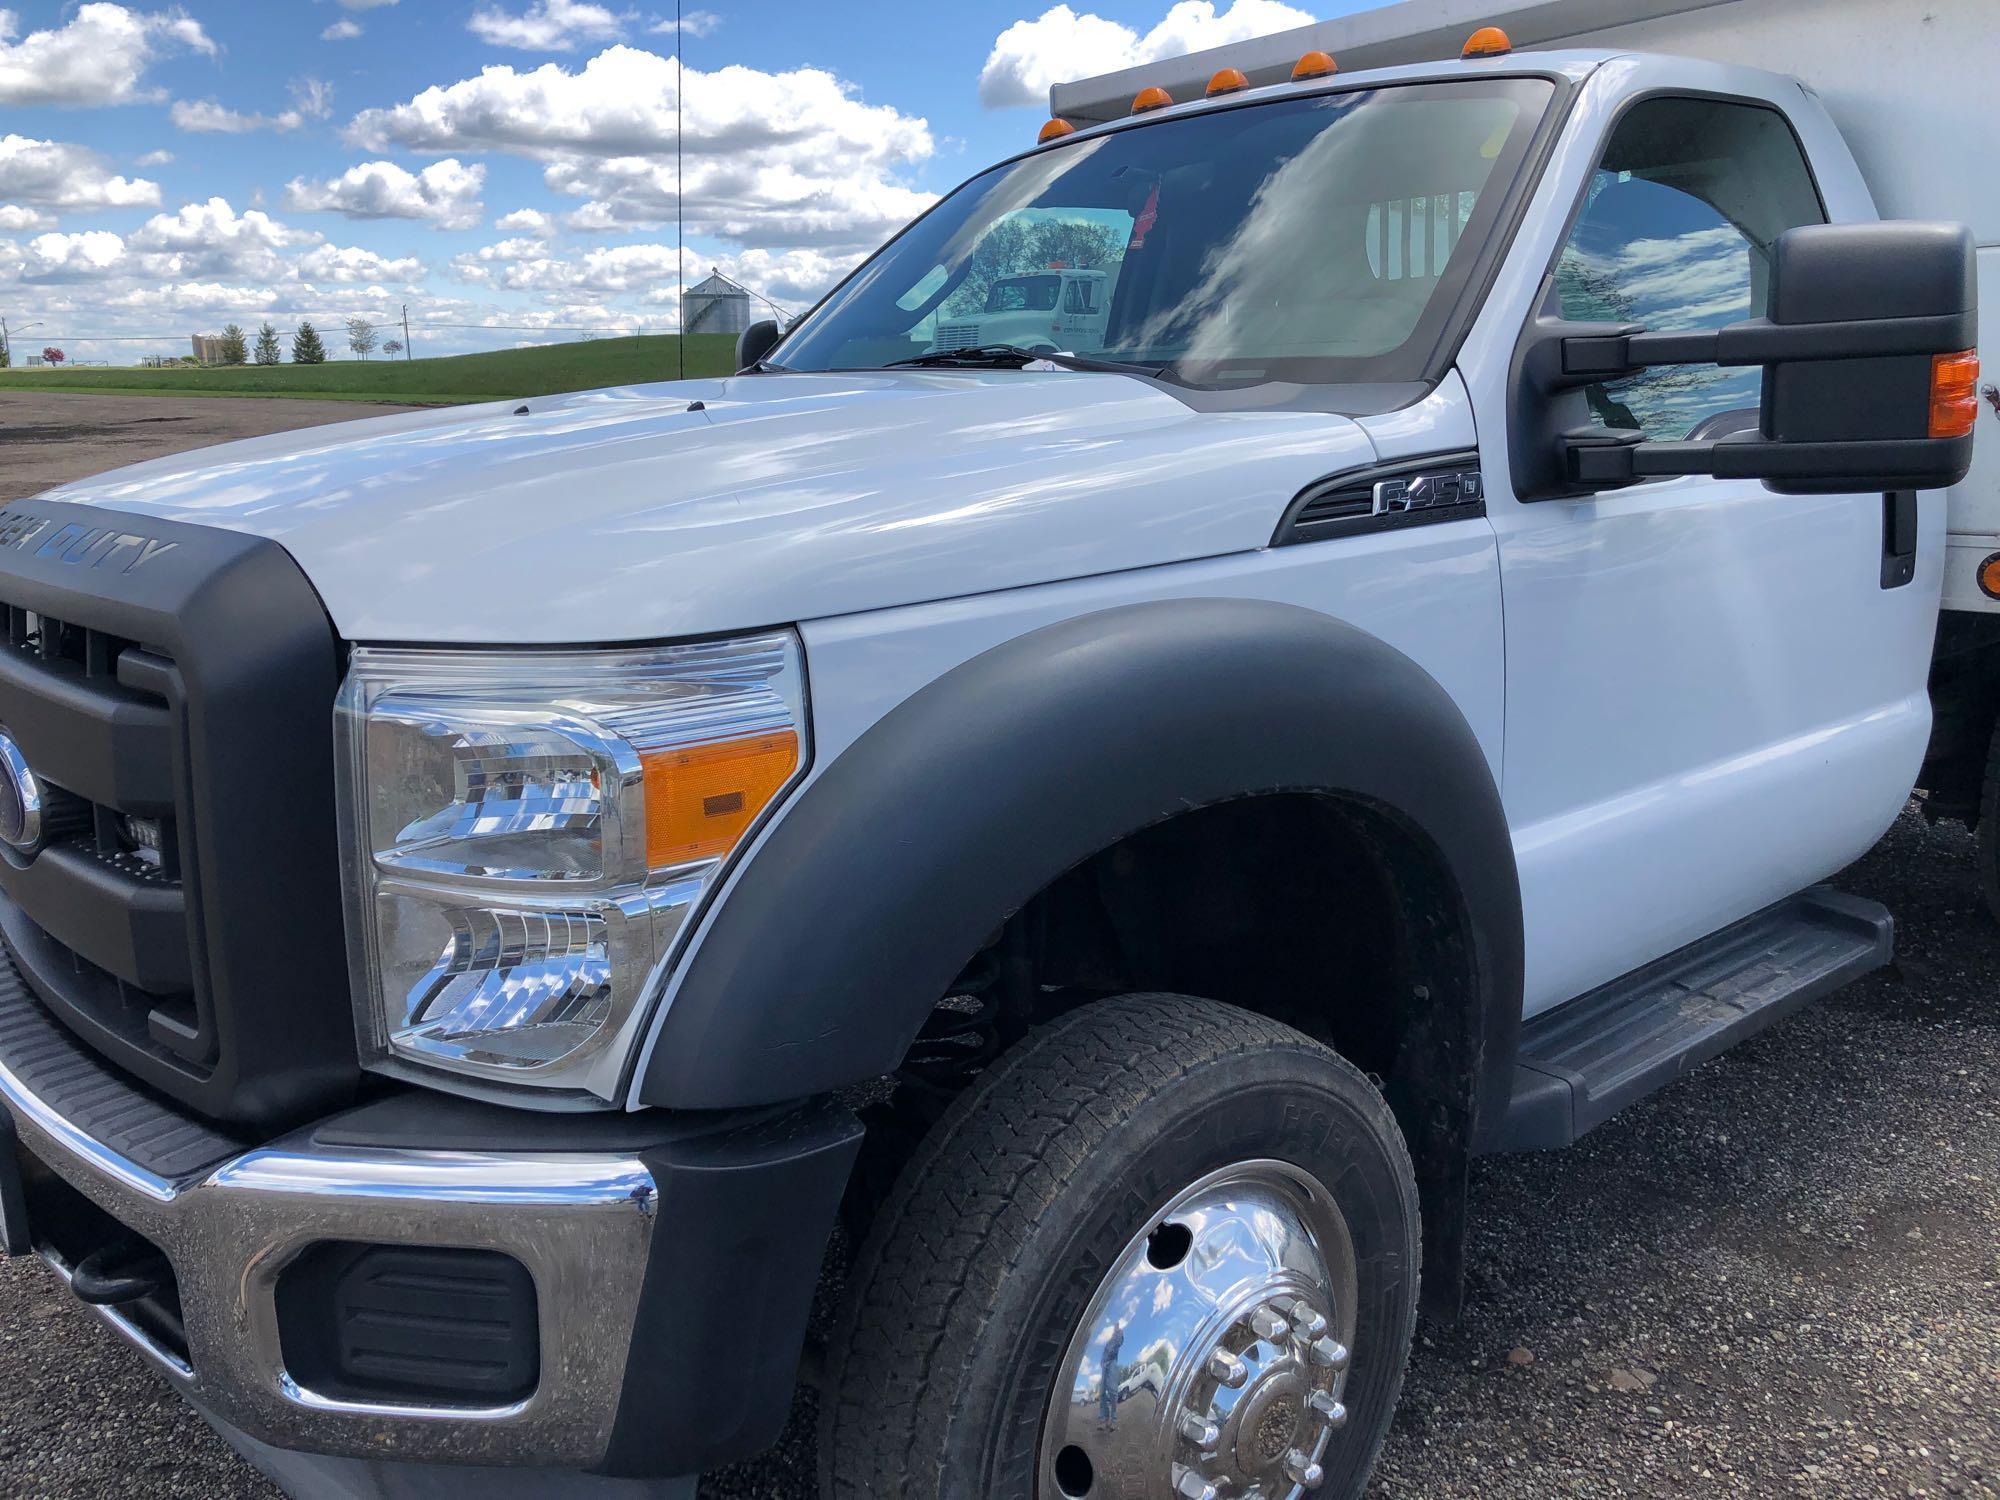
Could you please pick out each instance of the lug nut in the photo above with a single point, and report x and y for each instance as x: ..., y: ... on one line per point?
x: 1300, y: 1469
x: 1191, y: 1486
x: 1269, y: 1327
x: 1330, y: 1411
x: 1331, y: 1353
x: 1306, y: 1318
x: 1198, y: 1430
x: 1228, y: 1369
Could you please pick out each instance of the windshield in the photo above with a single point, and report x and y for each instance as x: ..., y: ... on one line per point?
x: 1312, y: 239
x: 1023, y: 294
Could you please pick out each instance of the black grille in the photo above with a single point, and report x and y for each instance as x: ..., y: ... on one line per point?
x: 103, y: 896
x: 171, y: 686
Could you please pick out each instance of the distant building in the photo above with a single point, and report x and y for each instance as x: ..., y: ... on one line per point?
x: 717, y: 305
x: 208, y: 348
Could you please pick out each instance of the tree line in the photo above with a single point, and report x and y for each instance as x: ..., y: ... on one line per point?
x: 308, y: 348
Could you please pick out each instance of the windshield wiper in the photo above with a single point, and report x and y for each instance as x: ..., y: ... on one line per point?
x: 999, y: 356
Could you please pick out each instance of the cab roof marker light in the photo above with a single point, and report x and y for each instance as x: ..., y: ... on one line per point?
x: 1150, y: 99
x: 1227, y: 81
x: 1314, y: 65
x: 1487, y: 41
x: 1055, y: 130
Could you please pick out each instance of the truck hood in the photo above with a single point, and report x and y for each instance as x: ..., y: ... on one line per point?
x: 654, y: 511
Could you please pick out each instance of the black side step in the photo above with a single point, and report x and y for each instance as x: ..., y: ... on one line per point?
x: 1582, y: 1062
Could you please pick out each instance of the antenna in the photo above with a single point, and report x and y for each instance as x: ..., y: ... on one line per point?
x: 680, y: 236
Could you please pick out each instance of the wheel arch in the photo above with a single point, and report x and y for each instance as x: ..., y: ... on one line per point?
x: 982, y: 789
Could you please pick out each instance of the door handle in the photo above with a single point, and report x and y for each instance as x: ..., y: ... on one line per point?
x: 1899, y: 538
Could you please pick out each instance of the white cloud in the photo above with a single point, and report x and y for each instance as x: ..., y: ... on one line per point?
x: 796, y: 278
x: 1062, y: 43
x: 15, y: 219
x: 208, y: 240
x: 696, y: 23
x: 350, y: 263
x: 98, y: 56
x: 646, y: 272
x: 445, y: 193
x: 154, y: 159
x: 55, y: 174
x: 548, y: 25
x: 528, y: 221
x: 312, y: 99
x: 777, y: 158
x: 73, y: 257
x: 346, y: 29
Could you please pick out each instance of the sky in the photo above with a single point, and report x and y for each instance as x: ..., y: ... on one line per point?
x: 504, y: 169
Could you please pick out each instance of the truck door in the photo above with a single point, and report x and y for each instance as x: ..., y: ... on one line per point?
x: 1715, y: 693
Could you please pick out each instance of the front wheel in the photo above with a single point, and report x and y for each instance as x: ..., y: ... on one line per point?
x: 1164, y: 1250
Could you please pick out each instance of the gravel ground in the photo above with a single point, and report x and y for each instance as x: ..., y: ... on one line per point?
x: 1780, y: 1276
x: 50, y: 437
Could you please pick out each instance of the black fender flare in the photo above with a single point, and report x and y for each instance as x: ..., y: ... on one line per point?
x: 963, y: 802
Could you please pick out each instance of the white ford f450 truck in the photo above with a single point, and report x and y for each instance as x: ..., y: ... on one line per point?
x: 1011, y: 885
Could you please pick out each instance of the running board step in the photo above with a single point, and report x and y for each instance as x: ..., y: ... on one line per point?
x: 1582, y: 1062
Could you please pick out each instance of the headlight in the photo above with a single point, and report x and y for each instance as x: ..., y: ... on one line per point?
x: 526, y: 832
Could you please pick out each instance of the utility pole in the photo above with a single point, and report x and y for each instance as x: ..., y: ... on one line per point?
x: 680, y: 238
x: 406, y: 331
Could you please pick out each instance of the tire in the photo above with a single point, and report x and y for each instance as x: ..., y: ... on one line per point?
x: 1989, y: 826
x: 963, y: 1310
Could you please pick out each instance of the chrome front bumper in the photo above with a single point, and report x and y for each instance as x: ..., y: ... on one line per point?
x: 580, y: 1223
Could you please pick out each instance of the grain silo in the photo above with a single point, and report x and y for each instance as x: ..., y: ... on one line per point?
x: 717, y: 305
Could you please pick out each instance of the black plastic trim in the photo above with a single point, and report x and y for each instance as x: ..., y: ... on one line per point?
x: 114, y: 745
x: 1295, y: 529
x: 233, y: 641
x: 967, y: 799
x: 135, y: 929
x: 76, y: 1083
x: 421, y: 1324
x: 742, y: 1224
x: 1587, y: 1059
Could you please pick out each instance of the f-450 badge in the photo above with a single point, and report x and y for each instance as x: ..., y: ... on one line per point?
x: 1428, y: 491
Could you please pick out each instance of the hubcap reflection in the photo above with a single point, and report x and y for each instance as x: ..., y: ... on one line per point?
x: 1211, y: 1361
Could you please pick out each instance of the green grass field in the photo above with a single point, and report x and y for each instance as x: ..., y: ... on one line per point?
x: 463, y: 377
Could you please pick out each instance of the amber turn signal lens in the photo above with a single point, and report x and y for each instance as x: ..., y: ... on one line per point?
x: 700, y: 798
x: 1055, y: 130
x: 1227, y: 81
x: 1954, y: 394
x: 1150, y: 99
x: 1314, y: 65
x: 1989, y: 576
x: 1487, y: 41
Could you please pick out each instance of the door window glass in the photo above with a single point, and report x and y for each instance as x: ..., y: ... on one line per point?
x: 1677, y: 234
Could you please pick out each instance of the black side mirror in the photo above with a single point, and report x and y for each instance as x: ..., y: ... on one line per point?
x: 756, y: 341
x: 1870, y: 374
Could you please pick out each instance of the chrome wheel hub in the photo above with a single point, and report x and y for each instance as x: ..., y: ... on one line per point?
x: 1210, y: 1363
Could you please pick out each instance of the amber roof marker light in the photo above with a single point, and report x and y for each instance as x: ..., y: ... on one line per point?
x: 1149, y: 99
x: 1314, y: 65
x: 1227, y: 81
x: 1055, y: 130
x: 1487, y: 41
x: 1954, y: 394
